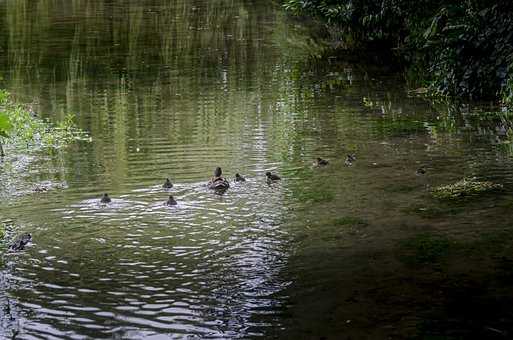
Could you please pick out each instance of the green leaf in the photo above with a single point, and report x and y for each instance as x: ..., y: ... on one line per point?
x: 5, y: 125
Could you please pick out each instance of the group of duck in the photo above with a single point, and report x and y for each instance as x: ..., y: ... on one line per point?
x: 220, y: 184
x: 217, y: 183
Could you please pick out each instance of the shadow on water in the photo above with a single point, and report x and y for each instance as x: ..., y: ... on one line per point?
x: 174, y: 89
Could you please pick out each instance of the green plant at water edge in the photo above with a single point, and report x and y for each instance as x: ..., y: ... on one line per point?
x: 19, y: 128
x: 5, y: 123
x: 464, y: 188
x: 507, y: 92
x: 467, y: 48
x: 460, y: 48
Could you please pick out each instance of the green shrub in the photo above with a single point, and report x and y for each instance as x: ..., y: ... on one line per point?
x: 467, y: 48
x: 19, y: 127
x: 462, y: 47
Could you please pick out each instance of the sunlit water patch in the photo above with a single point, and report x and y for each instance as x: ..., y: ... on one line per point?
x: 206, y: 266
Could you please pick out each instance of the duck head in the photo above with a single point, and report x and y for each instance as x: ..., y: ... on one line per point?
x: 218, y: 172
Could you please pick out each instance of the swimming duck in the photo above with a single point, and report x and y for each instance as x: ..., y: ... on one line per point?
x: 321, y: 162
x: 20, y: 242
x: 40, y: 189
x: 217, y: 182
x: 350, y: 159
x: 167, y: 184
x: 105, y: 199
x: 420, y: 171
x: 171, y: 201
x: 272, y: 177
x: 239, y: 178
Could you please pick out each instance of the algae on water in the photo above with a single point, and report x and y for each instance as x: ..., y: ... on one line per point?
x: 464, y: 188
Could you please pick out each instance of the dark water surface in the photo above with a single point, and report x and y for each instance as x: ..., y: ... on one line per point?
x: 176, y: 88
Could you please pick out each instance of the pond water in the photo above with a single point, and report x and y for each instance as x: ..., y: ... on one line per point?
x: 174, y: 89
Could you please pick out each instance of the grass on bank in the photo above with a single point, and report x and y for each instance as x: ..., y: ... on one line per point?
x: 21, y: 128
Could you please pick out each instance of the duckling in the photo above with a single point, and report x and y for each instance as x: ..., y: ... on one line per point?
x: 272, y: 177
x: 239, y: 178
x: 350, y: 159
x: 171, y: 201
x: 20, y: 242
x: 167, y: 184
x: 321, y: 162
x: 40, y: 189
x: 105, y: 199
x: 420, y: 171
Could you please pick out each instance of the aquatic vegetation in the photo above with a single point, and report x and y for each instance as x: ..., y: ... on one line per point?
x: 464, y: 188
x: 350, y: 220
x: 400, y: 127
x: 426, y: 248
x: 434, y: 211
x: 400, y: 188
x: 19, y: 127
x: 316, y: 196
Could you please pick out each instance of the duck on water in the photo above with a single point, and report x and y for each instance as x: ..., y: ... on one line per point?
x: 20, y: 242
x: 321, y: 162
x: 239, y: 178
x: 167, y: 184
x: 272, y: 177
x: 105, y: 199
x: 171, y: 201
x: 218, y: 182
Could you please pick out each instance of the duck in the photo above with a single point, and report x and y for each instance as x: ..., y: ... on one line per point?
x: 167, y: 184
x: 239, y: 178
x: 105, y: 198
x: 272, y: 177
x: 350, y: 159
x: 171, y: 201
x: 321, y: 162
x: 420, y: 171
x: 40, y: 189
x: 20, y: 242
x: 218, y: 182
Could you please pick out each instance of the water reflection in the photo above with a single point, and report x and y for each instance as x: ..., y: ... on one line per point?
x: 157, y: 84
x: 207, y: 267
x: 173, y: 89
